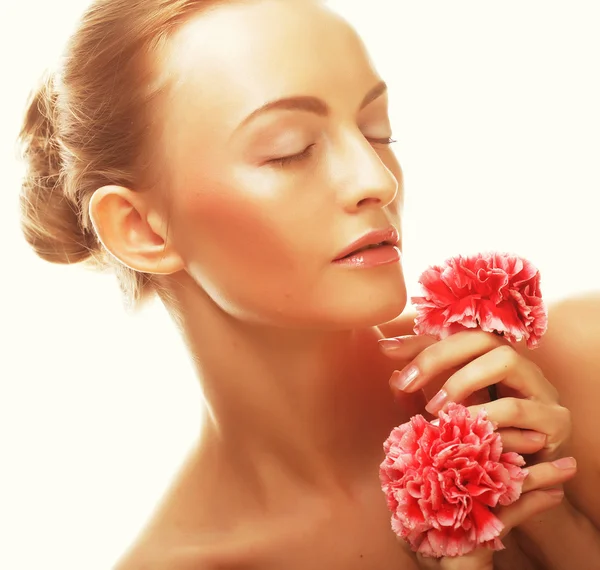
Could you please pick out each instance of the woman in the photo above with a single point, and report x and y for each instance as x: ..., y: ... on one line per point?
x: 234, y: 158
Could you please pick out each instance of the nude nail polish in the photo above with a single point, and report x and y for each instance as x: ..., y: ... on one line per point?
x: 565, y: 463
x: 534, y: 436
x: 437, y: 402
x: 404, y: 378
x: 389, y: 343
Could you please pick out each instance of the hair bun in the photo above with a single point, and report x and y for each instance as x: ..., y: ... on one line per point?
x: 49, y: 219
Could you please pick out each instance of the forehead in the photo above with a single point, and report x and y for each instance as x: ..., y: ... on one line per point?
x: 240, y: 55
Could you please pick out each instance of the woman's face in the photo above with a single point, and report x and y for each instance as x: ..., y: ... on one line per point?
x: 276, y: 135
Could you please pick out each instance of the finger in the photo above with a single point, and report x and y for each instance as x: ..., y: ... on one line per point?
x: 451, y: 352
x: 406, y: 347
x: 524, y: 414
x: 549, y: 474
x: 552, y: 420
x: 523, y: 441
x: 478, y: 398
x: 529, y: 505
x: 502, y: 364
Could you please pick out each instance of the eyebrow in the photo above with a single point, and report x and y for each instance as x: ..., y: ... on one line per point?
x: 309, y: 104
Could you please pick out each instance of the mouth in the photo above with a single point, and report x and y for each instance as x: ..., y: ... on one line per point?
x: 372, y: 240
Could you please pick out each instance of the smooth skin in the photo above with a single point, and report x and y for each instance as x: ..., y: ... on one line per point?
x: 255, y: 200
x: 538, y: 398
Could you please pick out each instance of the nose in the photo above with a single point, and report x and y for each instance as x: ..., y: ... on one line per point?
x: 364, y: 180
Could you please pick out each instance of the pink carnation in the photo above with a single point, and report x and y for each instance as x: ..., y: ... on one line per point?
x: 496, y: 292
x: 441, y: 482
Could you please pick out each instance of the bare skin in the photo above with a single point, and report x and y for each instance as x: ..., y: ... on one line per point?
x: 347, y: 526
x: 285, y: 340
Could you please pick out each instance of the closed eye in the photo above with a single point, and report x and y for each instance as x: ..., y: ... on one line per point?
x: 386, y: 141
x: 307, y: 152
x: 286, y: 160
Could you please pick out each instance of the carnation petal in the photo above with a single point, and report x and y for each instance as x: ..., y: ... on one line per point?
x: 498, y: 292
x: 487, y: 524
x: 441, y: 481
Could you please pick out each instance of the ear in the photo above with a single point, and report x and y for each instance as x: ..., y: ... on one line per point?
x: 132, y: 231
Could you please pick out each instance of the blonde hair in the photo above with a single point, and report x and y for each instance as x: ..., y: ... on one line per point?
x: 89, y: 125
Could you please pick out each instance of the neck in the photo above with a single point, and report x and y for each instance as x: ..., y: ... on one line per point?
x: 314, y: 405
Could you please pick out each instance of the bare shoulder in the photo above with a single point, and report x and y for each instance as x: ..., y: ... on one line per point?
x: 153, y: 556
x: 250, y: 546
x: 569, y: 356
x: 569, y: 352
x: 186, y: 531
x: 150, y: 555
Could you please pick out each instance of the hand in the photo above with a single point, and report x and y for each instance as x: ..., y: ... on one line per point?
x: 527, y: 413
x: 537, y: 497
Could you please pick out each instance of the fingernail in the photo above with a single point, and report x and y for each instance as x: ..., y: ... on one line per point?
x: 402, y: 379
x: 534, y: 435
x: 556, y: 492
x: 565, y: 463
x: 389, y: 343
x: 435, y: 422
x: 437, y: 402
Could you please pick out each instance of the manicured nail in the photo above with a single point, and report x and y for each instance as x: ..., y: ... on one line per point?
x: 565, y: 463
x: 534, y: 435
x: 558, y: 493
x: 435, y: 422
x: 389, y: 343
x: 437, y: 402
x: 402, y: 379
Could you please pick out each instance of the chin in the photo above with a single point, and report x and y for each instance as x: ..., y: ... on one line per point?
x: 376, y: 313
x: 355, y: 300
x: 361, y: 305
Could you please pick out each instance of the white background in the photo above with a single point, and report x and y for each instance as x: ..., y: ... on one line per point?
x: 496, y: 109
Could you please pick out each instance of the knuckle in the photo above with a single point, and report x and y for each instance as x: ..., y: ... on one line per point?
x: 554, y: 393
x: 560, y: 431
x: 516, y: 407
x: 425, y: 360
x: 508, y: 355
x: 561, y: 417
x: 565, y: 418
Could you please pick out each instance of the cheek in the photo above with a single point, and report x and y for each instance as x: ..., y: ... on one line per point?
x: 226, y: 229
x: 242, y: 247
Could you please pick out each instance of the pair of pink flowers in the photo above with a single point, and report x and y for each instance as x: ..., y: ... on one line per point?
x: 441, y: 481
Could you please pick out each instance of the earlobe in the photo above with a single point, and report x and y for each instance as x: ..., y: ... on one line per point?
x: 131, y: 232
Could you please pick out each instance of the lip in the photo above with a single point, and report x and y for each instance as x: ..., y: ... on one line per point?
x: 389, y: 236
